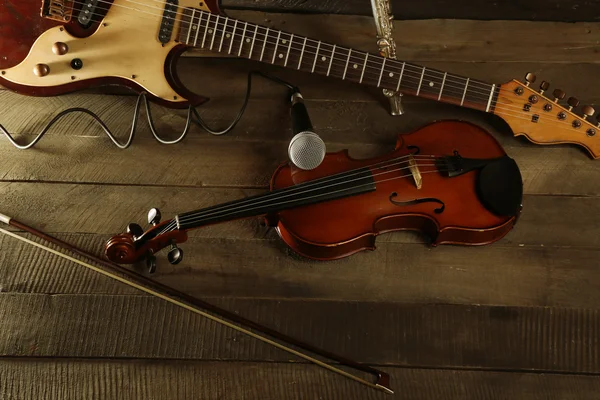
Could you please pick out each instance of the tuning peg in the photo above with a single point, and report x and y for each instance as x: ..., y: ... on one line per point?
x: 154, y: 216
x: 544, y: 86
x: 151, y: 263
x: 558, y: 95
x: 530, y: 78
x: 175, y: 255
x: 135, y: 230
x: 588, y: 111
x: 573, y: 102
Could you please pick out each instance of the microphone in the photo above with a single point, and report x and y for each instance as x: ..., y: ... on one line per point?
x: 306, y: 149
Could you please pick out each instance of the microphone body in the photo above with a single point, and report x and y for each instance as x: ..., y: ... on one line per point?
x: 306, y: 149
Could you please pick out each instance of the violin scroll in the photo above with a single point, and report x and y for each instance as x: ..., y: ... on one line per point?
x: 137, y: 245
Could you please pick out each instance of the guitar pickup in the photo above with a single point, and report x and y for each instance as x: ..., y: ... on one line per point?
x: 88, y: 10
x: 58, y: 10
x: 168, y: 21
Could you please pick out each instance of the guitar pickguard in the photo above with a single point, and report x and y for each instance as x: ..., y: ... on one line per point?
x: 125, y: 46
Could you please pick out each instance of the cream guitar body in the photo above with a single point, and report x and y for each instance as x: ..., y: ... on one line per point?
x: 136, y: 43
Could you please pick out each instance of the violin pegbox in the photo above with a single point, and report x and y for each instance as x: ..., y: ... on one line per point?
x: 543, y: 120
x: 136, y: 244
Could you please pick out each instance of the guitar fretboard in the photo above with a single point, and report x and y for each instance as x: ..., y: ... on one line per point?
x: 243, y: 39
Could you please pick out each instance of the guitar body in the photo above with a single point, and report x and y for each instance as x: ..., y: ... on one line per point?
x: 117, y: 48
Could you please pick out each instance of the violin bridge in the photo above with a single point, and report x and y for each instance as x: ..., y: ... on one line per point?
x: 414, y: 170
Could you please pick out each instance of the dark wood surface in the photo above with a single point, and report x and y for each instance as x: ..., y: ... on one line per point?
x: 534, y: 10
x: 514, y: 320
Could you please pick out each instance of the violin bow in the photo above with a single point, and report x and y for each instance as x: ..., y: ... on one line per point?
x: 200, y: 307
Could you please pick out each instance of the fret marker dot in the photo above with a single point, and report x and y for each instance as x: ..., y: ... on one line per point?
x: 248, y: 40
x: 323, y: 58
x: 355, y: 66
x: 228, y: 36
x: 391, y: 74
x: 284, y: 41
x: 431, y: 84
x: 280, y: 55
x: 210, y: 31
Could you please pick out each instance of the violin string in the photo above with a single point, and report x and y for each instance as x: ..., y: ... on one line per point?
x: 344, y: 174
x: 260, y: 204
x: 329, y: 193
x: 506, y: 107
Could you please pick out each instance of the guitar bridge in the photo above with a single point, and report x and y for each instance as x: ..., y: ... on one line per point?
x: 58, y: 10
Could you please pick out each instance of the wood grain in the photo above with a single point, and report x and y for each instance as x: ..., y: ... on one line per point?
x: 154, y: 380
x: 537, y: 10
x: 480, y: 337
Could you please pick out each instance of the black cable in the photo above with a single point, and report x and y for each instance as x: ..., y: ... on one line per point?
x: 192, y: 112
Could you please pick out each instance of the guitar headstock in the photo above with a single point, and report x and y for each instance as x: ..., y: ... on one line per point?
x: 543, y: 120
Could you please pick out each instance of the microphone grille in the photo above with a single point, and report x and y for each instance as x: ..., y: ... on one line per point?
x: 306, y: 150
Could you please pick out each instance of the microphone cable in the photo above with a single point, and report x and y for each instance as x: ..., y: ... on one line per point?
x: 192, y: 116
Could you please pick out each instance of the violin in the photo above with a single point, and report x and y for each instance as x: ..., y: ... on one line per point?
x: 51, y: 47
x: 450, y: 180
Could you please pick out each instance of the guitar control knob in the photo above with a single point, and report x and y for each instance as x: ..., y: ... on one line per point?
x: 530, y: 78
x: 135, y: 230
x: 588, y: 111
x: 154, y: 216
x: 544, y: 86
x: 175, y: 255
x: 60, y: 48
x: 598, y: 120
x: 558, y: 95
x: 41, y: 70
x: 573, y: 102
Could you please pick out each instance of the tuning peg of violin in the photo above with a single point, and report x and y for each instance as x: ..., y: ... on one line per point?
x: 135, y: 230
x: 175, y: 255
x: 573, y: 102
x: 530, y: 78
x: 544, y: 86
x: 587, y: 111
x: 154, y: 216
x: 558, y: 95
x: 150, y: 263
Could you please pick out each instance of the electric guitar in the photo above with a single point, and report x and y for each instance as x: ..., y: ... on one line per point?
x: 51, y: 47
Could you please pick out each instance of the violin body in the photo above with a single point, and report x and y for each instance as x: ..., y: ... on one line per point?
x: 339, y: 228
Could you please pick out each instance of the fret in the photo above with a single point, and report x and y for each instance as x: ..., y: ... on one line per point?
x: 400, y: 78
x: 421, y: 81
x: 331, y: 60
x: 197, y: 27
x: 242, y: 41
x: 232, y: 37
x: 214, y: 33
x: 442, y: 87
x: 302, y: 53
x: 253, y: 40
x: 276, y: 45
x: 347, y: 62
x: 264, y: 44
x: 364, y: 67
x: 316, y: 57
x: 224, y: 32
x: 465, y: 92
x: 206, y: 30
x: 191, y: 25
x: 288, y: 51
x: 381, y: 73
x: 487, y: 109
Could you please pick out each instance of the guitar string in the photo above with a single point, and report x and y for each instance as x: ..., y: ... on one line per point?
x: 218, y: 22
x: 344, y: 174
x: 218, y: 18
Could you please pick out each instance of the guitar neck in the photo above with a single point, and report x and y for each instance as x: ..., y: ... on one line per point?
x: 243, y: 39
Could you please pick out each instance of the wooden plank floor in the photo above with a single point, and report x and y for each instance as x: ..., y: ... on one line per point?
x: 518, y: 319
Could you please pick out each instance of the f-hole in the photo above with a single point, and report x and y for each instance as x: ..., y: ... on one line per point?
x: 418, y: 201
